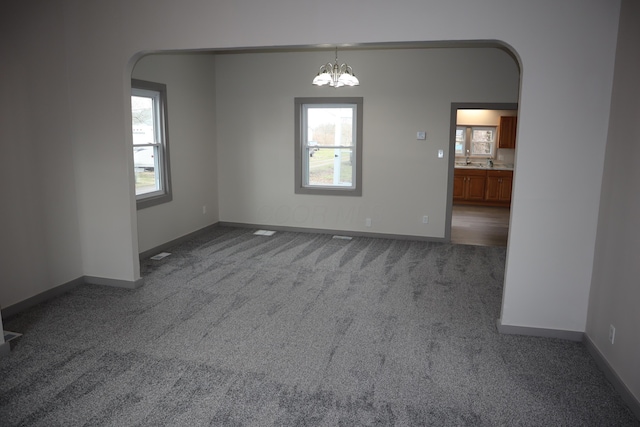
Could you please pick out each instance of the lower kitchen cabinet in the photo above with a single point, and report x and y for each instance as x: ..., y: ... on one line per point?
x: 482, y: 187
x: 498, y: 187
x: 469, y: 184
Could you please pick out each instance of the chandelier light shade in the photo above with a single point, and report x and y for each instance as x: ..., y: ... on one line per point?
x: 336, y: 75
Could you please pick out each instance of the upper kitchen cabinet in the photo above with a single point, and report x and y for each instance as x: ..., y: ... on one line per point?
x: 507, y: 138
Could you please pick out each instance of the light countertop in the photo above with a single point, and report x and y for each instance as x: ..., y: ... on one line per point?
x: 483, y: 166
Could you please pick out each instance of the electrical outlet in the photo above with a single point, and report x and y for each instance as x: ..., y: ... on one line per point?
x: 204, y: 209
x: 612, y: 333
x: 367, y: 222
x: 425, y: 219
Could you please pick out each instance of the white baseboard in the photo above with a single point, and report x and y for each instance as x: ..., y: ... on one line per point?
x: 18, y: 307
x: 127, y: 284
x: 21, y: 306
x: 612, y: 376
x: 603, y: 364
x: 328, y: 231
x: 539, y: 332
x: 163, y: 247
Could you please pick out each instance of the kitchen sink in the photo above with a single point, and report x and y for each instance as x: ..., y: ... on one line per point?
x: 472, y: 165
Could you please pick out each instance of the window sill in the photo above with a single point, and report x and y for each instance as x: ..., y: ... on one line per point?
x: 354, y: 192
x: 147, y: 202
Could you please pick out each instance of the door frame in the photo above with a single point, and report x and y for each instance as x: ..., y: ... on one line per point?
x: 455, y: 106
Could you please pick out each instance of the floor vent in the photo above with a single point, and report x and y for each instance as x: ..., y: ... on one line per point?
x: 8, y: 335
x: 160, y: 256
x: 264, y: 233
x: 342, y: 237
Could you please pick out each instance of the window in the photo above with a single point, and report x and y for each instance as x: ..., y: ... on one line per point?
x: 150, y: 143
x: 328, y: 146
x: 461, y: 140
x: 482, y: 141
x: 475, y: 141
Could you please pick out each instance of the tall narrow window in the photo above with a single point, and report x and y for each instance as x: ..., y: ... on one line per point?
x: 461, y: 140
x: 328, y: 146
x: 150, y: 143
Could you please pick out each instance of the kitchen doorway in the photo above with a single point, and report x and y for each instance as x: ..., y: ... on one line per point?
x: 483, y: 137
x: 480, y: 225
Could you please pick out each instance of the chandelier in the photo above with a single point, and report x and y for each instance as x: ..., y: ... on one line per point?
x: 336, y: 75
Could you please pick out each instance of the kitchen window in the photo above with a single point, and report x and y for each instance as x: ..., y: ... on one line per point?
x: 475, y: 141
x: 150, y: 143
x: 328, y: 146
x: 461, y: 140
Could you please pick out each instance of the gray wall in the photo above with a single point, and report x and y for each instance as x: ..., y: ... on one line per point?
x: 403, y: 179
x: 69, y: 66
x: 39, y: 213
x: 191, y: 94
x: 615, y: 290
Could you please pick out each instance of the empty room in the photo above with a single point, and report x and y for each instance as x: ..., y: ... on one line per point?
x: 221, y: 213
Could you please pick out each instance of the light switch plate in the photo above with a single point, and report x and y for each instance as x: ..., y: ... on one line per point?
x: 421, y: 135
x: 440, y: 154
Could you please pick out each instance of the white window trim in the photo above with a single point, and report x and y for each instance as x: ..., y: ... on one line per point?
x: 301, y: 161
x: 158, y: 92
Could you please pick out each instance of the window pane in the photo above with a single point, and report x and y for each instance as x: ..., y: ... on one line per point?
x: 142, y: 120
x: 330, y: 167
x: 146, y: 170
x: 482, y: 135
x: 481, y: 148
x: 145, y: 159
x: 330, y: 126
x: 460, y: 140
x: 482, y: 140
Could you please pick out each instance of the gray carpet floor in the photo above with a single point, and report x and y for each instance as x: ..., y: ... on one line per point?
x: 298, y: 329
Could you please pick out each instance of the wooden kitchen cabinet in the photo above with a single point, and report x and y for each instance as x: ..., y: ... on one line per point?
x: 498, y: 186
x: 508, y: 127
x: 469, y: 185
x: 482, y: 187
